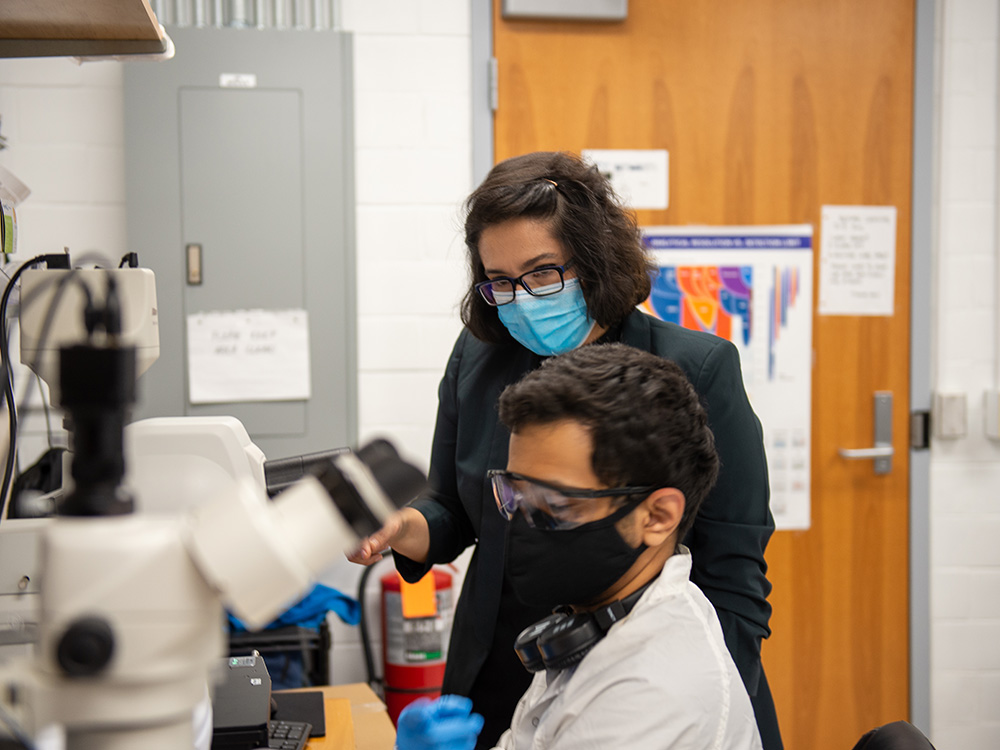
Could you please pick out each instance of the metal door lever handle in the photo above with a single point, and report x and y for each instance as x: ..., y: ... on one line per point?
x: 879, y: 451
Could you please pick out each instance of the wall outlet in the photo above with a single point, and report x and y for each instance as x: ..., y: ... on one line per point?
x: 991, y: 407
x: 948, y: 415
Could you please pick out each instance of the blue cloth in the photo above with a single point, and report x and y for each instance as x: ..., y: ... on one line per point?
x: 310, y: 610
x: 444, y: 724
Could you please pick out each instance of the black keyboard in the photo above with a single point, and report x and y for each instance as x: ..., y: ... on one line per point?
x: 288, y: 735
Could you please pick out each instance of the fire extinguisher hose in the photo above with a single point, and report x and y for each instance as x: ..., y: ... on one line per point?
x: 376, y: 683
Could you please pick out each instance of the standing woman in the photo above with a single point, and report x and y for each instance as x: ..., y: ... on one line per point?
x: 557, y: 263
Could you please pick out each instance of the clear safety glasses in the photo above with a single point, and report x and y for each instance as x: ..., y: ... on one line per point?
x: 549, y: 506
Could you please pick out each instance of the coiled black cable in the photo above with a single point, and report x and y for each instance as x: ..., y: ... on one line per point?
x: 376, y: 683
x: 5, y: 366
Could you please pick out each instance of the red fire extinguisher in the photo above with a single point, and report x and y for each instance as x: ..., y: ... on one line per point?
x: 414, y: 648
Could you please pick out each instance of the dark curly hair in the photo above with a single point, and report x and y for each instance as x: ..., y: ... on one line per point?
x: 586, y: 217
x: 646, y: 422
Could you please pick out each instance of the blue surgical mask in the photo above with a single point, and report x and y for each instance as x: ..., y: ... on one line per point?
x: 549, y: 325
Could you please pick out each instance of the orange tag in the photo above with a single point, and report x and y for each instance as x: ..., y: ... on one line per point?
x: 419, y: 599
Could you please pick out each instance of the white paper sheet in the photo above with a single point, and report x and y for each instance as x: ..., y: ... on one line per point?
x: 857, y: 271
x: 639, y: 177
x: 248, y: 355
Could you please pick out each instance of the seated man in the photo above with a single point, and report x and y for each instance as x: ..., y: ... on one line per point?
x: 610, y: 457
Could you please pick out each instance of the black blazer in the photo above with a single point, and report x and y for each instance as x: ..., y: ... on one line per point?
x: 729, y: 535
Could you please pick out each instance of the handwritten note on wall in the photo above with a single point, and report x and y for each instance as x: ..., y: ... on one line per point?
x: 857, y: 268
x: 248, y: 355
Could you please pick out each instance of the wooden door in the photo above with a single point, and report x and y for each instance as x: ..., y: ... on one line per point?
x: 771, y: 109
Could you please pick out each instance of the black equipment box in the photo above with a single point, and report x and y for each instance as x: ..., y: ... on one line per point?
x: 242, y: 705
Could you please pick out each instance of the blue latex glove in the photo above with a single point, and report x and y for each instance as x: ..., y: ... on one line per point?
x: 444, y: 724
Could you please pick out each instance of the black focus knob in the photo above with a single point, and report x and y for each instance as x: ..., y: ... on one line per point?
x: 86, y: 647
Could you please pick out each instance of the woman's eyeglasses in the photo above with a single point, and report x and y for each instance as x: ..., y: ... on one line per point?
x: 548, y: 506
x: 541, y: 282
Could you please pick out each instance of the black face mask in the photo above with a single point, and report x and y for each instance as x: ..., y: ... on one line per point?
x: 550, y: 568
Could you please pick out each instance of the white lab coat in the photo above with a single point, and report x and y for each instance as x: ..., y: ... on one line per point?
x: 661, y: 678
x: 201, y: 723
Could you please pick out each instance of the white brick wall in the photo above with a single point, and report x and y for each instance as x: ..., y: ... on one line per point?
x: 965, y: 473
x: 412, y: 104
x: 66, y: 122
x: 414, y: 168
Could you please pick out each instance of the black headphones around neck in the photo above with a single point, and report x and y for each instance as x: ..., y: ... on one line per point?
x: 563, y: 638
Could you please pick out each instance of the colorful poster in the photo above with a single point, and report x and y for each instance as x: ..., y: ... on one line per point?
x: 752, y: 286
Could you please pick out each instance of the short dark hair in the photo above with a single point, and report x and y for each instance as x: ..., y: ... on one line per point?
x: 646, y: 422
x: 586, y: 217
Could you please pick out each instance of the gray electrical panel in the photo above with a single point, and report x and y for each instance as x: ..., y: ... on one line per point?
x: 240, y: 196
